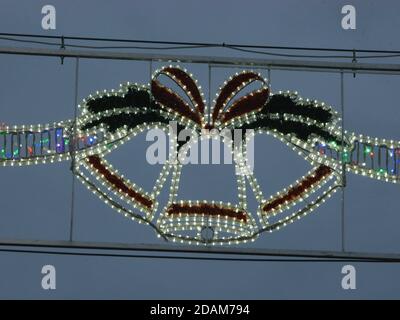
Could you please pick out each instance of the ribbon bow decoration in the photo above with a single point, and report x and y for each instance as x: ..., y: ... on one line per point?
x: 110, y: 119
x: 222, y: 114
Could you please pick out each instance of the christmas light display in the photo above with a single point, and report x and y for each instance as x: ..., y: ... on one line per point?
x: 111, y: 118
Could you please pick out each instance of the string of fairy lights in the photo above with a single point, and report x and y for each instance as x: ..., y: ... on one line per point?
x: 109, y: 119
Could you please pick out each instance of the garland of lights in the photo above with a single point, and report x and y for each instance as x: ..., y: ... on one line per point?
x: 110, y: 119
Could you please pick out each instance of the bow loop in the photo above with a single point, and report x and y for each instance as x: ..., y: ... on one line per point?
x: 253, y: 101
x: 172, y: 101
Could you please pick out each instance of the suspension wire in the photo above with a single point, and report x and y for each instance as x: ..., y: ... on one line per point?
x: 237, y: 48
x: 197, y: 43
x: 176, y: 45
x: 286, y: 54
x: 102, y: 47
x: 203, y: 258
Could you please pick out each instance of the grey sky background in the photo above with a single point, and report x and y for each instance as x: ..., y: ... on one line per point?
x: 36, y: 201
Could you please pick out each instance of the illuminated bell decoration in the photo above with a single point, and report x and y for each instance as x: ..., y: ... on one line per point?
x: 111, y: 118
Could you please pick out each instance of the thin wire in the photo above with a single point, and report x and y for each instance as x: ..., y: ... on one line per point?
x: 184, y: 45
x: 287, y: 55
x: 169, y: 257
x: 311, y: 56
x: 30, y: 41
x: 378, y: 56
x: 136, y: 47
x: 107, y: 47
x: 397, y: 52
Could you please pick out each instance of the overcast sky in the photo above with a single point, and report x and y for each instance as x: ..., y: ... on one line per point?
x: 36, y: 201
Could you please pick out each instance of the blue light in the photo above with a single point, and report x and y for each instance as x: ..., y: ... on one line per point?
x: 58, y: 132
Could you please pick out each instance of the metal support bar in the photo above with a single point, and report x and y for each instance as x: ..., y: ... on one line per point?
x: 346, y: 67
x: 269, y: 77
x: 162, y: 249
x: 73, y: 150
x: 343, y: 160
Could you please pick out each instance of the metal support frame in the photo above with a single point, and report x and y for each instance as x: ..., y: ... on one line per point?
x: 301, y: 65
x: 75, y: 247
